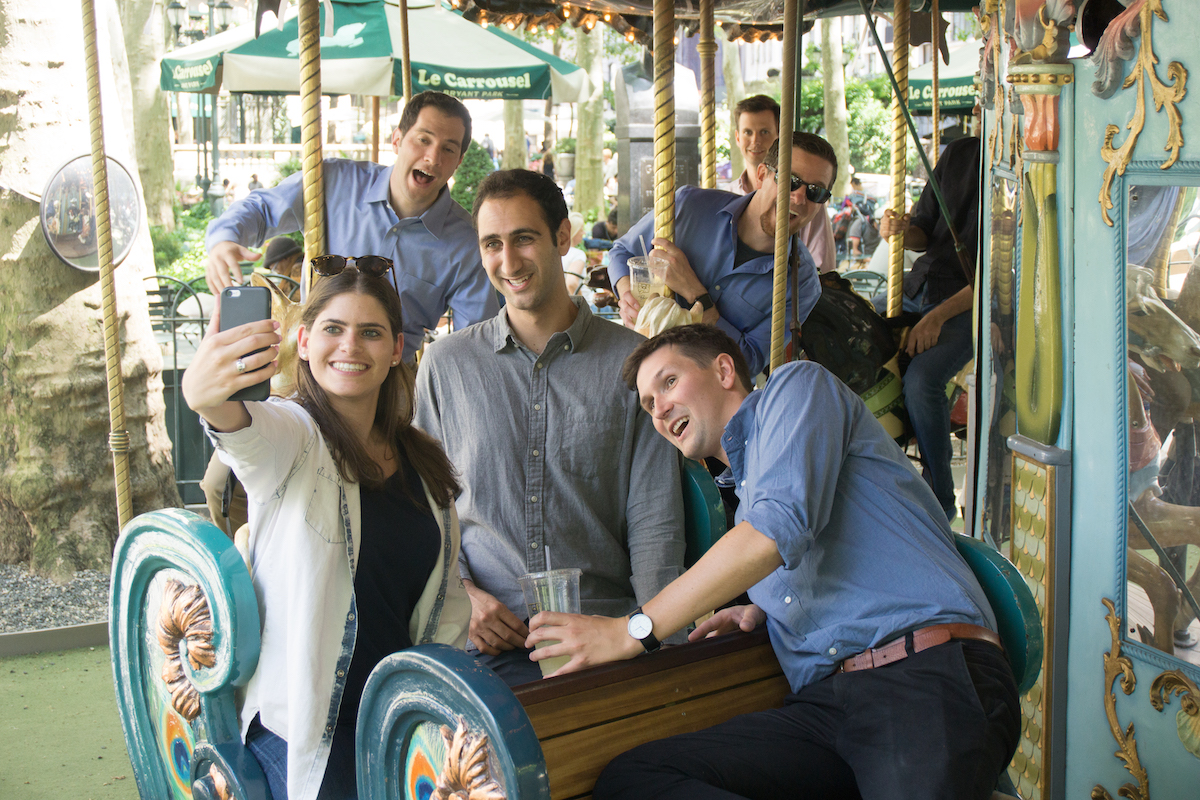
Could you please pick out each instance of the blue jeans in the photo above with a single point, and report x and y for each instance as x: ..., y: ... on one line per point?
x: 341, y: 779
x: 929, y: 411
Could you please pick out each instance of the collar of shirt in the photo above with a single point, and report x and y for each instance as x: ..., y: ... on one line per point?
x: 503, y: 336
x: 743, y: 183
x: 737, y: 436
x: 433, y: 218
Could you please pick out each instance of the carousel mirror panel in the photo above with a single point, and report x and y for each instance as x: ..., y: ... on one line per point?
x: 1162, y: 296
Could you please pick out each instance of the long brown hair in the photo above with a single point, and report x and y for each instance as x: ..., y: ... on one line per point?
x: 394, y: 411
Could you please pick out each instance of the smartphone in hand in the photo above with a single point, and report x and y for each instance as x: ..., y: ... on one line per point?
x: 239, y: 305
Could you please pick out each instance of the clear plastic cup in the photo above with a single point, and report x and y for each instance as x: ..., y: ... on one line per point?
x: 647, y: 277
x: 553, y: 590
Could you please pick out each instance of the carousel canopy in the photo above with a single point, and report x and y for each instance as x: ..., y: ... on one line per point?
x: 363, y: 57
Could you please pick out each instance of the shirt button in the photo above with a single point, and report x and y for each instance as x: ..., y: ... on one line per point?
x: 743, y: 483
x: 833, y: 651
x: 787, y: 599
x: 538, y: 365
x: 746, y: 443
x: 535, y: 453
x: 566, y: 347
x: 341, y: 673
x: 533, y: 499
x: 328, y: 728
x: 533, y: 545
x: 717, y: 287
x: 537, y: 406
x: 351, y: 618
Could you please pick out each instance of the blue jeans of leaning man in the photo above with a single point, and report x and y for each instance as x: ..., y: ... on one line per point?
x: 925, y: 395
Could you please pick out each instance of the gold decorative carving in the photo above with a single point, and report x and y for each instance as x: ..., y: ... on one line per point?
x: 184, y: 616
x: 1187, y: 719
x: 1165, y: 96
x: 466, y: 775
x: 1117, y: 665
x: 220, y: 784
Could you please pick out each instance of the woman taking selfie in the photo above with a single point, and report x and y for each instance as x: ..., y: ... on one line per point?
x: 353, y: 535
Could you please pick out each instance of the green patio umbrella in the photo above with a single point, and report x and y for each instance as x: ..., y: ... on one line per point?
x: 448, y: 53
x: 956, y: 82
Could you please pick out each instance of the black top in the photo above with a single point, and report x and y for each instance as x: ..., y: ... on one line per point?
x: 957, y: 174
x: 600, y: 230
x: 400, y: 547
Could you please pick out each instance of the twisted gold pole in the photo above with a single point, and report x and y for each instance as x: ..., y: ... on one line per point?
x: 707, y: 49
x: 405, y: 55
x: 664, y: 119
x: 118, y: 438
x: 783, y: 201
x: 900, y: 39
x: 310, y: 123
x: 935, y: 35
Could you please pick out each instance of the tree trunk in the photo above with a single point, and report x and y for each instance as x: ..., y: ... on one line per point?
x: 183, y: 119
x: 589, y: 144
x: 57, y: 498
x: 735, y: 90
x: 515, y: 156
x: 145, y: 45
x: 833, y: 77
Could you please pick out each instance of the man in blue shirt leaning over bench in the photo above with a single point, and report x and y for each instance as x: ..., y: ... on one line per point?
x: 899, y: 686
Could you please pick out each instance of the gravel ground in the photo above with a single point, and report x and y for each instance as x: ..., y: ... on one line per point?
x: 28, y: 602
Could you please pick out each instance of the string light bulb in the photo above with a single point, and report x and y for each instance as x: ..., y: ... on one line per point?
x: 550, y: 29
x: 629, y: 37
x: 608, y: 17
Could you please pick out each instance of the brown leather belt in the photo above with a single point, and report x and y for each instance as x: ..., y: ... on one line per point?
x: 918, y: 640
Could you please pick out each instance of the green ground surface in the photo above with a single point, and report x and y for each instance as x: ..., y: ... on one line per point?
x: 60, y: 736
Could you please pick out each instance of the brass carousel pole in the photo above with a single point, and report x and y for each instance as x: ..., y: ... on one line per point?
x: 707, y: 49
x: 405, y: 56
x: 118, y: 437
x: 900, y: 38
x: 310, y: 121
x: 374, y: 129
x: 783, y: 202
x: 664, y: 119
x: 935, y: 35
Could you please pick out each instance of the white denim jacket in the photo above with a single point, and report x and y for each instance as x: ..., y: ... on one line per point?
x: 304, y: 538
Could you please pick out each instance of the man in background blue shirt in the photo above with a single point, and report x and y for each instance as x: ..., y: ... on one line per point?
x: 900, y: 688
x: 724, y: 250
x: 404, y: 212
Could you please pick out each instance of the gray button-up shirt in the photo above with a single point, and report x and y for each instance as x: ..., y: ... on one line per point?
x: 554, y: 450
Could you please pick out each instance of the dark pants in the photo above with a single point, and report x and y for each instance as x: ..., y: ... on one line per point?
x: 341, y: 778
x: 513, y: 666
x: 942, y: 723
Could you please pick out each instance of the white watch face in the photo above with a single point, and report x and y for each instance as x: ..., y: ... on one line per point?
x: 640, y: 626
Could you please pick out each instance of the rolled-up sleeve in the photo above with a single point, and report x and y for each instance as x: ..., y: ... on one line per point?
x: 260, y: 215
x: 803, y: 435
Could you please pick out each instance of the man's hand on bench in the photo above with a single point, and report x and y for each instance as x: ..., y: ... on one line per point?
x: 728, y: 620
x: 587, y: 640
x: 493, y: 627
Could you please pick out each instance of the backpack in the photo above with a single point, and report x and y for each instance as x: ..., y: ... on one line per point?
x: 841, y: 222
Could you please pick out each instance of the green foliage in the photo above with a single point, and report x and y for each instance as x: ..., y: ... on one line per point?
x: 289, y: 167
x: 180, y: 253
x: 474, y: 168
x: 565, y: 145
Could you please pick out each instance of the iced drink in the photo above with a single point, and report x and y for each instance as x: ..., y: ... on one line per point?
x: 554, y: 590
x: 647, y: 277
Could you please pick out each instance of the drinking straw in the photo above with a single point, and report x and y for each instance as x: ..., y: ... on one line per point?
x: 645, y: 254
x: 548, y: 567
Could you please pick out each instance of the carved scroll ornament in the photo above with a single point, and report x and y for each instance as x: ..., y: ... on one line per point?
x: 1116, y: 45
x: 466, y: 775
x: 1187, y: 719
x: 1117, y: 665
x: 184, y: 616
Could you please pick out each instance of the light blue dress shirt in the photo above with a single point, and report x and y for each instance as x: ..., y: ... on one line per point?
x: 706, y: 223
x: 867, y: 551
x: 436, y: 254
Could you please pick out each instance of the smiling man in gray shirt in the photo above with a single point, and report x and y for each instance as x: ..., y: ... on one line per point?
x: 554, y: 452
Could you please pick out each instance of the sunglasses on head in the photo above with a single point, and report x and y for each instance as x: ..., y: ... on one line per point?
x: 815, y: 192
x: 327, y: 266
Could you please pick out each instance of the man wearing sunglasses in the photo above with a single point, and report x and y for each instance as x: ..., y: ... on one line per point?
x: 757, y: 129
x: 723, y: 255
x: 403, y: 212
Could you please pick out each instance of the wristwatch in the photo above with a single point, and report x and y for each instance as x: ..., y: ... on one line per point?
x: 705, y: 300
x: 642, y: 628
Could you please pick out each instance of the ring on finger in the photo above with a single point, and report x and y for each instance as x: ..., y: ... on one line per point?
x: 240, y: 366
